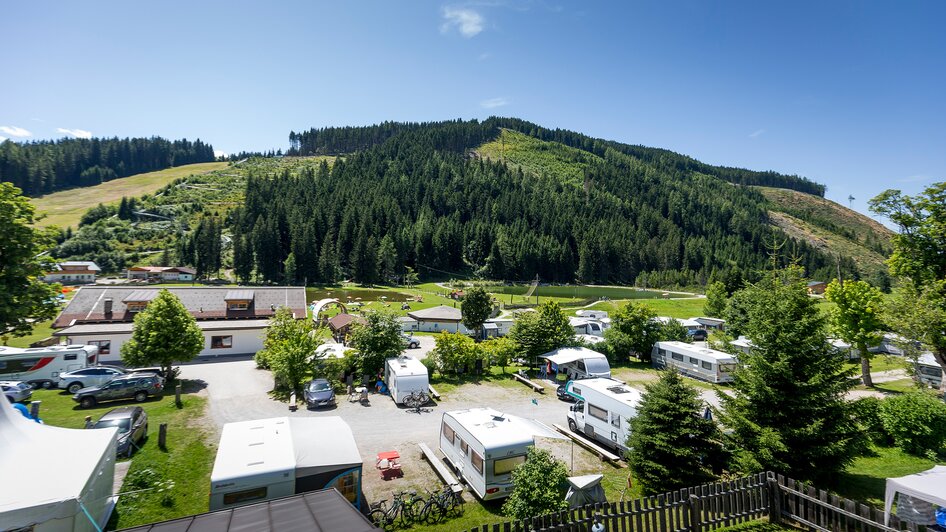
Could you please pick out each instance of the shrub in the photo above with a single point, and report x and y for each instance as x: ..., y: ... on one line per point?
x: 916, y: 421
x: 539, y: 486
x: 867, y: 414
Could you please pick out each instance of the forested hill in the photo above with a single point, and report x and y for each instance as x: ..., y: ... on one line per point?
x: 506, y: 199
x: 463, y: 135
x: 47, y: 166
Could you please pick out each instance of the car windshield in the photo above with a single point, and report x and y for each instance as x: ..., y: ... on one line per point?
x: 319, y: 387
x: 122, y: 424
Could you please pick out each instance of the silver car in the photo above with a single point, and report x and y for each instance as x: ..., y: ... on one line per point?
x: 85, y: 377
x: 16, y: 391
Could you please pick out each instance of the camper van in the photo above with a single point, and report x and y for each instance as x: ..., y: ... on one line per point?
x: 41, y: 366
x: 267, y: 459
x: 578, y: 362
x: 587, y: 326
x: 603, y: 410
x: 484, y: 446
x: 403, y: 375
x: 693, y: 361
x: 928, y: 371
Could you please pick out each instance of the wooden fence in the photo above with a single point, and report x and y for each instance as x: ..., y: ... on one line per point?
x: 718, y: 505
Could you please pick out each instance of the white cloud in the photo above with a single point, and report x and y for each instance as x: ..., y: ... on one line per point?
x: 78, y: 133
x: 14, y: 131
x: 756, y: 133
x: 493, y: 103
x: 465, y: 20
x: 219, y: 153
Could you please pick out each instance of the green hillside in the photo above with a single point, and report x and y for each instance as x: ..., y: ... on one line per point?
x: 539, y: 157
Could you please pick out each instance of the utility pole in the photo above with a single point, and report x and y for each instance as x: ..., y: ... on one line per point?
x: 850, y: 201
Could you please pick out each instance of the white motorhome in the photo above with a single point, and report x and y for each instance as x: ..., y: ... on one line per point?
x: 484, y: 446
x: 693, y: 361
x: 587, y: 326
x: 271, y: 458
x: 41, y: 366
x: 579, y: 362
x: 928, y: 371
x: 603, y: 410
x: 404, y: 375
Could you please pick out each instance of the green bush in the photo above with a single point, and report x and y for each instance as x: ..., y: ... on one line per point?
x: 867, y: 414
x: 916, y: 421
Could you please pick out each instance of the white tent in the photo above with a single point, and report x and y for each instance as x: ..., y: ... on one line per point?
x: 929, y: 486
x: 55, y: 479
x: 566, y: 355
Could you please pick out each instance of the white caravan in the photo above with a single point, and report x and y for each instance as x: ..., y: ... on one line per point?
x: 693, y: 361
x: 579, y: 362
x: 603, y: 410
x: 588, y: 326
x: 484, y: 446
x: 41, y: 366
x: 928, y: 371
x: 403, y: 375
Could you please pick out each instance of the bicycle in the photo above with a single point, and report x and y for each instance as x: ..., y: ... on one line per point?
x: 416, y: 399
x: 404, y: 508
x: 439, y: 505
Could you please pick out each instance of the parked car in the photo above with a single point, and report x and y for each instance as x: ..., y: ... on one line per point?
x: 137, y: 386
x: 409, y: 341
x: 560, y: 392
x: 698, y: 335
x: 319, y: 393
x: 73, y: 381
x: 132, y: 423
x: 156, y: 370
x: 16, y: 391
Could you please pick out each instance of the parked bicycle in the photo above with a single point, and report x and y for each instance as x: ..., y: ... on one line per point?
x: 405, y: 506
x: 440, y: 505
x: 416, y: 399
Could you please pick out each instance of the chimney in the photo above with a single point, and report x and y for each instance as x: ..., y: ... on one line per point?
x: 108, y: 305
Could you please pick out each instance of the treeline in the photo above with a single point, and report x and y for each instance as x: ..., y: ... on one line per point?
x: 47, y: 166
x: 342, y: 140
x: 419, y: 200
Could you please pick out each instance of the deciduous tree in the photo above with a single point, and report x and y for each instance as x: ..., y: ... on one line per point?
x: 633, y: 331
x: 164, y: 333
x: 857, y: 318
x: 542, y: 331
x: 716, y: 298
x: 476, y: 308
x: 376, y: 340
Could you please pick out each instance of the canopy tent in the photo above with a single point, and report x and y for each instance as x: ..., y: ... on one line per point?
x: 929, y: 485
x: 584, y: 490
x: 58, y: 479
x: 565, y: 355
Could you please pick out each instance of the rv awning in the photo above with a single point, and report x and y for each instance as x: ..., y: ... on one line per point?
x: 929, y: 486
x: 565, y: 355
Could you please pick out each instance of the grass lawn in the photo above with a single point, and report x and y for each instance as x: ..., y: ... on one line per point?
x: 865, y: 479
x: 494, y: 375
x: 186, y: 463
x: 66, y: 207
x: 41, y: 330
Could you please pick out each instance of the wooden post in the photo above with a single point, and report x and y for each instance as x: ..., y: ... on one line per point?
x: 775, y: 501
x: 34, y: 409
x: 163, y: 436
x: 695, y: 520
x: 177, y: 395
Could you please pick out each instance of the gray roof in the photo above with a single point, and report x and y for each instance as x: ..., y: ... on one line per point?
x: 140, y: 296
x: 438, y: 313
x: 239, y: 295
x: 127, y: 327
x: 87, y: 263
x: 316, y: 511
x: 813, y: 283
x: 204, y: 303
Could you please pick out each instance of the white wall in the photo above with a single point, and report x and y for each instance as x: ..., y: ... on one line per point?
x: 245, y: 342
x: 439, y: 326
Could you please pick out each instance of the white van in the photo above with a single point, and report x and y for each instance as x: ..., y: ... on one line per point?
x: 484, y: 446
x: 41, y: 366
x: 579, y: 362
x: 603, y: 410
x: 404, y: 375
x: 693, y: 361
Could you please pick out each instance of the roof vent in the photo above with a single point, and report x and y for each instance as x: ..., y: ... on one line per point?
x: 108, y: 305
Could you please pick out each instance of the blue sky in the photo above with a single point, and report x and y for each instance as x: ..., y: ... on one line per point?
x: 850, y: 94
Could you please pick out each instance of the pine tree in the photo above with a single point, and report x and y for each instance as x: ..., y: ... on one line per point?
x: 328, y: 261
x: 671, y: 444
x: 242, y: 258
x: 289, y: 269
x: 387, y: 258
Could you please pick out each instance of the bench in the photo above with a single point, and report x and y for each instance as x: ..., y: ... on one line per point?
x: 433, y: 393
x: 525, y: 380
x: 602, y: 453
x: 445, y: 474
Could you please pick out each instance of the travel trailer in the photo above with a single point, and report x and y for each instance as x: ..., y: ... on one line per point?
x: 404, y: 375
x: 693, y: 361
x: 484, y: 446
x: 928, y: 371
x: 578, y: 362
x: 41, y: 366
x: 267, y: 459
x: 603, y: 410
x: 587, y: 326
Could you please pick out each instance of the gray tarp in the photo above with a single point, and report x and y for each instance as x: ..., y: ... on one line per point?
x: 583, y: 490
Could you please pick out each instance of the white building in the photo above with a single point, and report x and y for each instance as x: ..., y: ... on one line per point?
x: 73, y: 272
x: 439, y: 318
x: 161, y: 273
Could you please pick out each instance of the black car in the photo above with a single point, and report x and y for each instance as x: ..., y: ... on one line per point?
x: 132, y: 424
x: 562, y: 395
x: 137, y: 386
x: 319, y: 393
x: 699, y: 335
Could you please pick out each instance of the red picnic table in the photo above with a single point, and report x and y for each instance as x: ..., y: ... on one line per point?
x: 389, y: 464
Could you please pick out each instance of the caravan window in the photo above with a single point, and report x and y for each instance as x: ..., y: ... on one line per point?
x: 243, y: 496
x: 448, y: 433
x: 598, y: 365
x: 677, y: 356
x: 463, y: 446
x: 581, y: 365
x: 707, y: 365
x: 695, y: 361
x: 598, y: 412
x: 727, y: 368
x: 616, y: 420
x: 506, y: 465
x: 477, y: 462
x: 70, y: 356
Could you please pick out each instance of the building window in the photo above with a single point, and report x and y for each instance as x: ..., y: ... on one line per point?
x: 448, y: 433
x: 477, y: 462
x: 136, y: 306
x: 243, y: 496
x: 221, y: 342
x: 103, y: 345
x: 597, y: 412
x: 238, y: 305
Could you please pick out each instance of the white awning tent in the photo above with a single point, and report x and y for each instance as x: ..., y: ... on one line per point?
x: 929, y: 486
x: 566, y: 355
x: 55, y: 479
